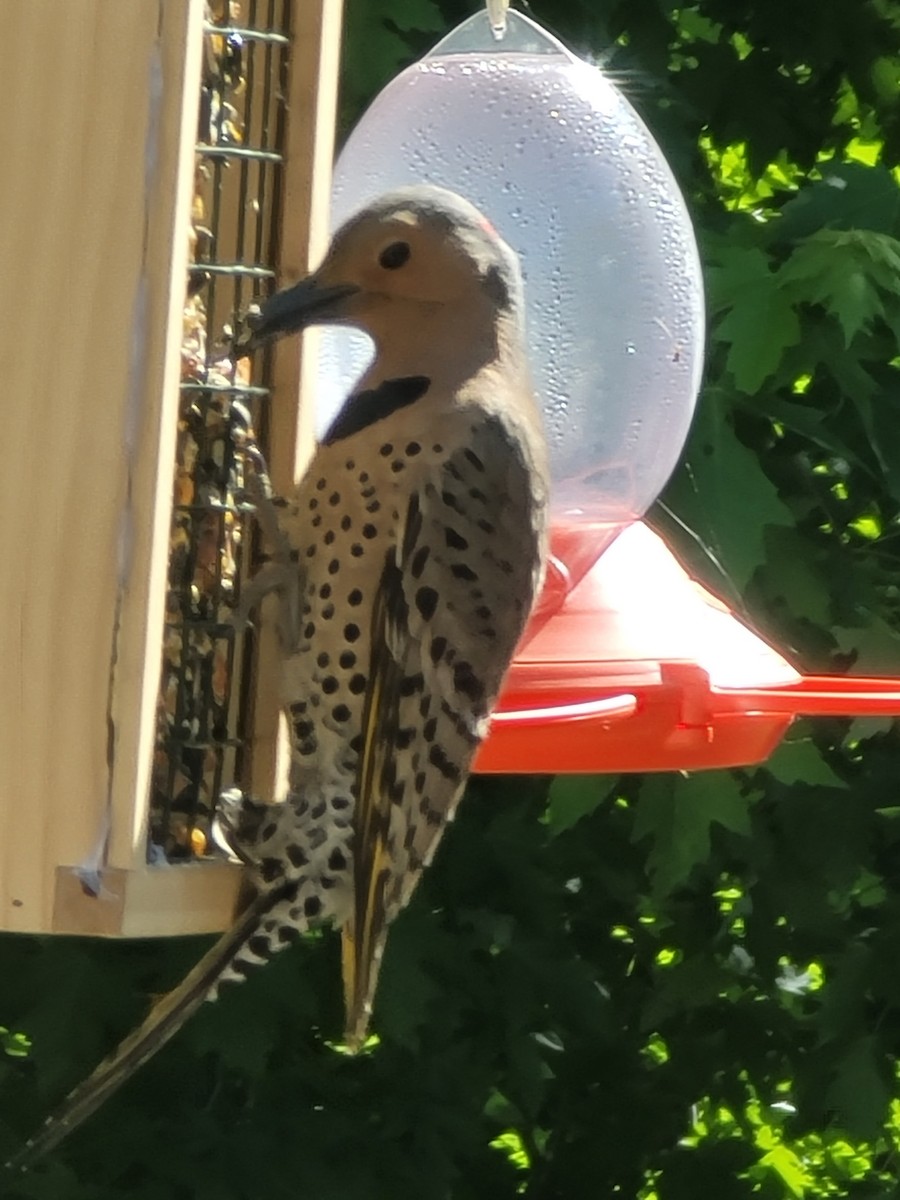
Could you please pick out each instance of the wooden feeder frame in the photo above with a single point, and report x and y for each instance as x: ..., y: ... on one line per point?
x: 95, y: 210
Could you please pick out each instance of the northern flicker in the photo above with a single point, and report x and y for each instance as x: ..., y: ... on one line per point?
x: 410, y: 555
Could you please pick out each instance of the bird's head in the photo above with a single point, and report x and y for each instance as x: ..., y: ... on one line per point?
x: 413, y: 254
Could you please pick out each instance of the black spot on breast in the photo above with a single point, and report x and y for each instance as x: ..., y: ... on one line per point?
x: 386, y: 450
x: 463, y: 571
x: 322, y: 660
x: 437, y: 648
x: 466, y: 681
x: 429, y: 729
x: 412, y: 684
x: 337, y: 860
x: 455, y: 540
x: 367, y: 408
x: 259, y: 946
x: 404, y: 738
x: 329, y: 685
x: 426, y: 602
x: 357, y: 685
x: 354, y: 598
x: 473, y: 459
x: 351, y: 633
x: 312, y: 906
x: 412, y: 449
x: 296, y: 855
x: 419, y: 559
x: 270, y: 869
x: 369, y: 531
x: 438, y: 758
x: 347, y: 659
x: 346, y: 522
x: 341, y: 712
x: 288, y: 933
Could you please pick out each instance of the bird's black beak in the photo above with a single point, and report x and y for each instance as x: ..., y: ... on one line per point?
x: 306, y: 303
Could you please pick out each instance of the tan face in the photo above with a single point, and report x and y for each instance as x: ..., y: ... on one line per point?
x: 404, y: 258
x: 398, y: 266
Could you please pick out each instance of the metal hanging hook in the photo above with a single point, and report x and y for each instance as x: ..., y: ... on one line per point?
x: 496, y: 10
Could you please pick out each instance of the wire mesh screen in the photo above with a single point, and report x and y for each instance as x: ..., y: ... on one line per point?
x: 203, y: 709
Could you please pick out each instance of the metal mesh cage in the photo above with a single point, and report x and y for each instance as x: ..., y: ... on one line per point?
x: 203, y: 707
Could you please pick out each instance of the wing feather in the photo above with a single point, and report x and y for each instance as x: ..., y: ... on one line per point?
x: 453, y: 598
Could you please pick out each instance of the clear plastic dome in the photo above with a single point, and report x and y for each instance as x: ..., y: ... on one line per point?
x: 565, y: 169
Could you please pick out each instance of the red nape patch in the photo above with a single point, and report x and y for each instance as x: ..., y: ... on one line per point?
x: 488, y: 227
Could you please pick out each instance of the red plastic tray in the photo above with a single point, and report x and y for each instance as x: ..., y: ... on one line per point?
x: 642, y: 669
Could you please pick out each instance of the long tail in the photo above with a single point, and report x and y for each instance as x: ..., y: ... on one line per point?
x: 162, y: 1022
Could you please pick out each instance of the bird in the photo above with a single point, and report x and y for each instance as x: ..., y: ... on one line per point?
x: 408, y: 560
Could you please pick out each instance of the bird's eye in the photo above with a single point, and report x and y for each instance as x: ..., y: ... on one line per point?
x: 394, y: 256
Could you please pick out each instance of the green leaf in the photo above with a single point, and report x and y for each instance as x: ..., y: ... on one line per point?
x: 572, y: 797
x: 875, y: 646
x: 676, y: 814
x: 801, y: 760
x: 848, y: 195
x: 784, y: 1163
x: 795, y: 573
x: 843, y: 272
x: 376, y: 46
x: 860, y: 1091
x: 822, y: 430
x: 760, y: 323
x: 719, y: 484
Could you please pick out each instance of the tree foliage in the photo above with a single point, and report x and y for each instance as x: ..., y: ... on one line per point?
x: 660, y: 987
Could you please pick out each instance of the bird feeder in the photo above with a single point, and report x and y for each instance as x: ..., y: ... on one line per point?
x: 142, y: 212
x: 628, y: 664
